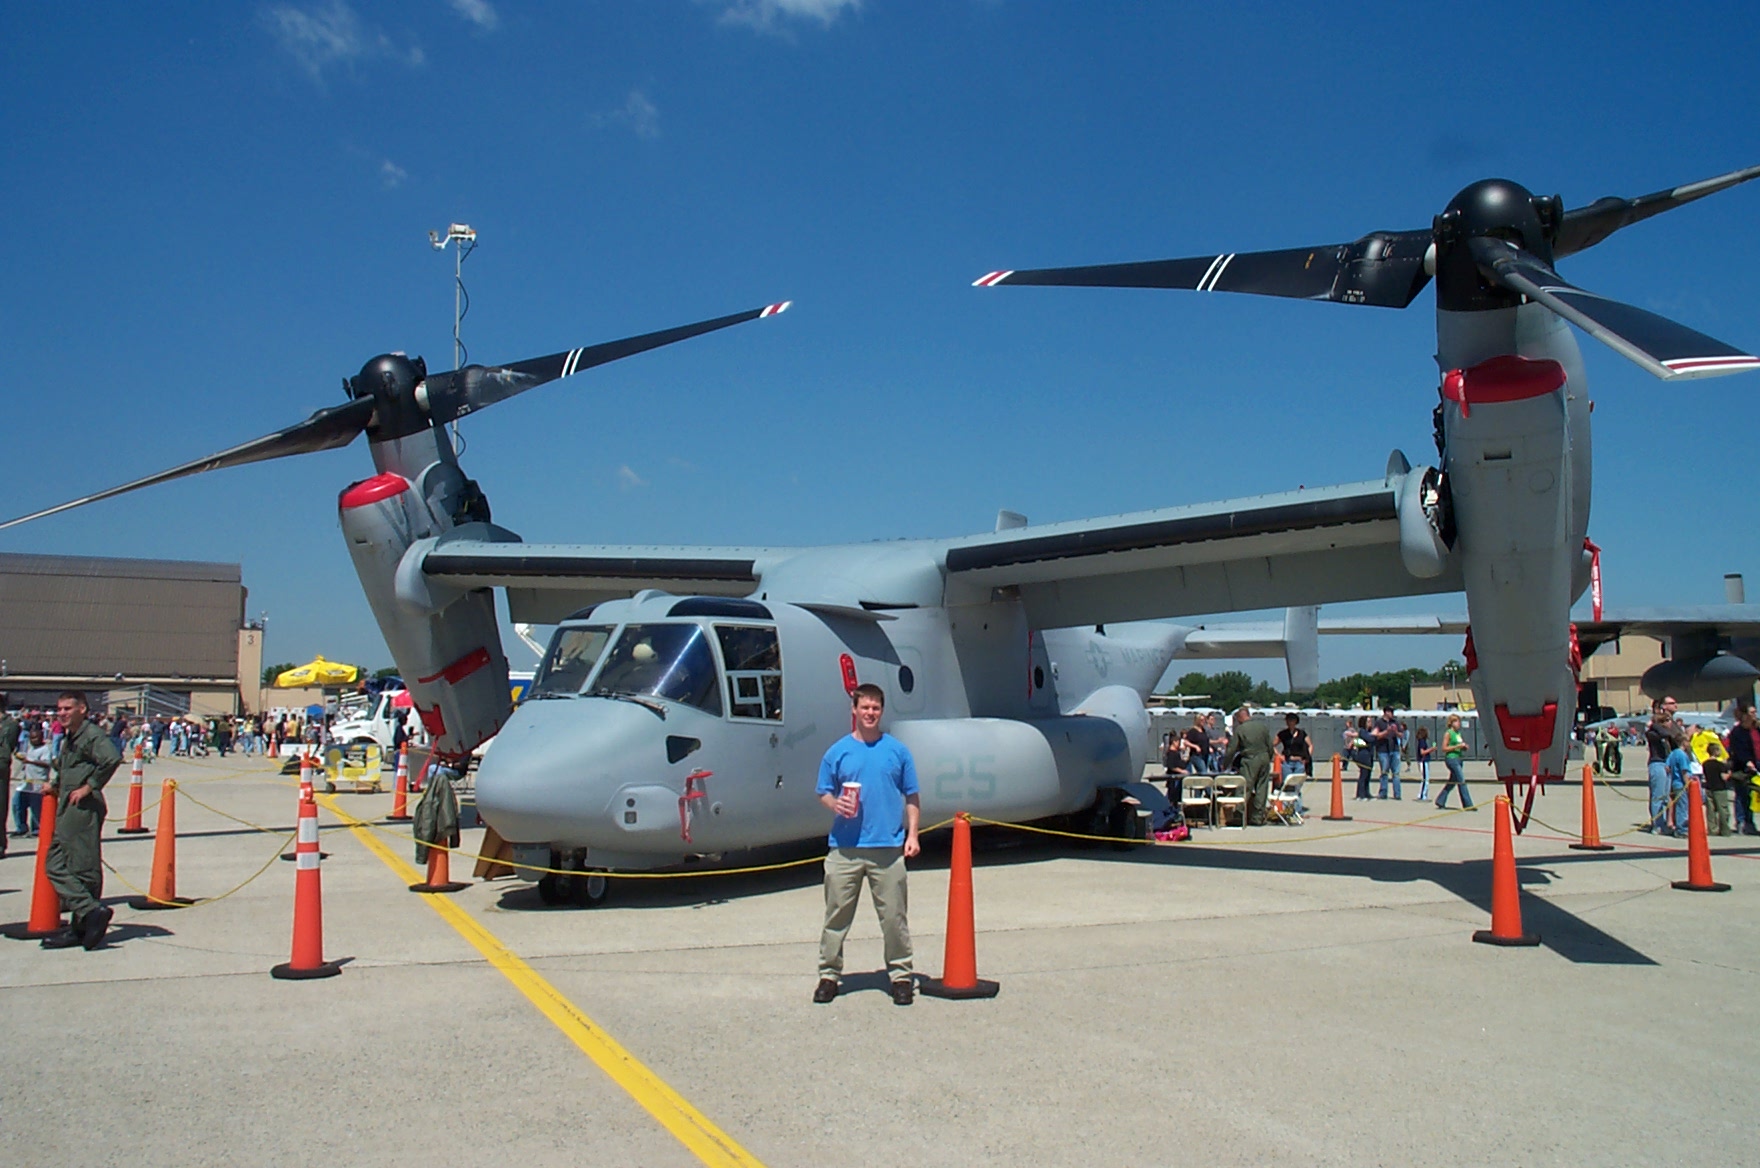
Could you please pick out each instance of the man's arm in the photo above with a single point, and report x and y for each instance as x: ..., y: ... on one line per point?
x: 913, y: 811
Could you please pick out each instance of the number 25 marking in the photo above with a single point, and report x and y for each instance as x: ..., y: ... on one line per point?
x: 980, y: 781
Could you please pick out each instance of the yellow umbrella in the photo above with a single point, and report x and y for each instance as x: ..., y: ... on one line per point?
x: 317, y: 672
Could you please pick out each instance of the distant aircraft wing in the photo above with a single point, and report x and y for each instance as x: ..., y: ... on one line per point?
x: 1299, y: 548
x: 1691, y: 621
x: 546, y: 582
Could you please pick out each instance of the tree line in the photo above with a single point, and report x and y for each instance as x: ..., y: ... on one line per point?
x: 1232, y: 687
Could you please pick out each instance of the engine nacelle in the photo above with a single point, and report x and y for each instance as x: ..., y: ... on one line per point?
x: 1426, y: 522
x: 448, y: 648
x: 1713, y: 678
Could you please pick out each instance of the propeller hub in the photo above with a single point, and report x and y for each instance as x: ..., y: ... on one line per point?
x: 392, y: 380
x: 1503, y: 210
x: 1499, y: 209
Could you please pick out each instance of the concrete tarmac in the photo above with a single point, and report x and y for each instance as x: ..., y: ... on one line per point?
x: 1278, y: 995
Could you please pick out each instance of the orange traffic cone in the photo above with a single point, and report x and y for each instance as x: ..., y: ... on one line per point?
x: 1698, y: 847
x: 307, y: 794
x: 1591, y: 819
x: 439, y: 873
x: 162, y: 892
x: 400, y: 789
x: 959, y: 963
x: 1506, y: 890
x: 136, y: 777
x: 308, y: 907
x: 45, y: 902
x: 1337, y: 791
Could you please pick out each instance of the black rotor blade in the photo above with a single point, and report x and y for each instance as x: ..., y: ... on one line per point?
x: 327, y: 429
x: 1665, y: 348
x: 464, y: 391
x: 1585, y: 227
x: 1385, y: 269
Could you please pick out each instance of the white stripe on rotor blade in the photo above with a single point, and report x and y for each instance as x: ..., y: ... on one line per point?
x: 1203, y: 284
x: 991, y: 279
x: 1215, y: 273
x: 574, y: 359
x: 775, y: 309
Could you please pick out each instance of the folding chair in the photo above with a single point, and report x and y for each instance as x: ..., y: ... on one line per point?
x: 1286, y: 797
x: 1198, y: 792
x: 1231, y: 795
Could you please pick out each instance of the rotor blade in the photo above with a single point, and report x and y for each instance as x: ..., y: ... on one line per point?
x: 327, y: 429
x: 1587, y: 226
x: 464, y: 391
x: 1385, y: 268
x: 1665, y: 348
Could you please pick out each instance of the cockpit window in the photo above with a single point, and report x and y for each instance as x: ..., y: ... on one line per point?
x: 754, y: 670
x: 568, y: 664
x: 666, y: 661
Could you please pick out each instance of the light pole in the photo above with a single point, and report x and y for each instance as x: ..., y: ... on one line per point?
x: 464, y: 237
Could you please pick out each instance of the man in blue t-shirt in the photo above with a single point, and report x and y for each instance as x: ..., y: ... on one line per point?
x: 869, y: 782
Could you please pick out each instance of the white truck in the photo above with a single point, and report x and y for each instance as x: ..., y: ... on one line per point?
x: 369, y: 719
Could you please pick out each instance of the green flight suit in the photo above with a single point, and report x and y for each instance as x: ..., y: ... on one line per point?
x: 8, y: 742
x: 88, y: 759
x: 1251, y: 740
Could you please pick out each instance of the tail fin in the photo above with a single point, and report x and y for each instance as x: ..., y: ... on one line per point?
x: 1296, y: 640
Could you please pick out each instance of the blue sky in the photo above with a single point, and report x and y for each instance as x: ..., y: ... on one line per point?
x: 217, y: 212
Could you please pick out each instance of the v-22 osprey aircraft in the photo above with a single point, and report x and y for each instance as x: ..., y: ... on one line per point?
x: 688, y: 693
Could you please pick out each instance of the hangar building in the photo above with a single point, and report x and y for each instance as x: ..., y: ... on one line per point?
x: 158, y: 634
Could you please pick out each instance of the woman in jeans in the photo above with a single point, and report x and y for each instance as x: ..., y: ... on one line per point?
x: 1454, y: 749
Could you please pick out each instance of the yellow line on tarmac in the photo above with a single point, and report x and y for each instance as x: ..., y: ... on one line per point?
x: 691, y: 1127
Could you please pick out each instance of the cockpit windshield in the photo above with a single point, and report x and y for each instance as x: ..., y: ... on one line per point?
x: 573, y: 653
x: 666, y: 661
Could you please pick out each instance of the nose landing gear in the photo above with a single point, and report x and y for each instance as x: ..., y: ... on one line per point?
x: 582, y: 887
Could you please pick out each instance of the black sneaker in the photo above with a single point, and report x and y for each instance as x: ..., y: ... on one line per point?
x: 902, y: 993
x: 63, y: 939
x: 97, y: 921
x: 825, y: 990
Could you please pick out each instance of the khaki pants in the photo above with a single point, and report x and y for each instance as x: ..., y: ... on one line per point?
x: 883, y: 869
x: 73, y: 865
x: 1720, y: 818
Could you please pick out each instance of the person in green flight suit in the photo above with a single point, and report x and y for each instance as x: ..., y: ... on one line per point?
x: 88, y: 759
x: 1251, y: 746
x: 8, y: 743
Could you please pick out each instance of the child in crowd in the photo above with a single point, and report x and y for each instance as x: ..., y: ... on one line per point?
x: 1717, y: 789
x: 1425, y: 750
x: 1680, y: 763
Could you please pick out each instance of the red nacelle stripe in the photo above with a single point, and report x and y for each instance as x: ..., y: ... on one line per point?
x: 460, y: 669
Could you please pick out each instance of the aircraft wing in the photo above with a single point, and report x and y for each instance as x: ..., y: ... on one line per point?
x: 1295, y: 549
x: 1682, y: 621
x: 546, y: 582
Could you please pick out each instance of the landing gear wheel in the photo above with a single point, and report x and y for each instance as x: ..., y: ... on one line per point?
x: 1118, y: 826
x: 575, y: 886
x: 590, y: 889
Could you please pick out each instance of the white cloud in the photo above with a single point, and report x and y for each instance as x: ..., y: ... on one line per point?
x: 629, y: 480
x: 637, y: 114
x: 391, y: 174
x: 324, y: 36
x: 768, y: 15
x: 479, y: 12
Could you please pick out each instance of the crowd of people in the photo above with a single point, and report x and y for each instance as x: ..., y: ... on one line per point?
x: 39, y: 734
x: 1680, y: 751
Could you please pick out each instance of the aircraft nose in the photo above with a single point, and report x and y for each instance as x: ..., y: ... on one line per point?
x: 556, y: 767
